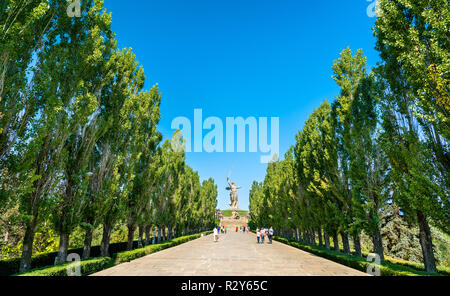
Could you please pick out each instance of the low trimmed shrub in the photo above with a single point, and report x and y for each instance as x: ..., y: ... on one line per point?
x: 87, y: 267
x: 12, y: 266
x: 128, y: 256
x: 386, y: 268
x: 93, y: 265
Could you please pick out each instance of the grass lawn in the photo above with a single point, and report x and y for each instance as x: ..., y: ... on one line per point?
x: 228, y: 213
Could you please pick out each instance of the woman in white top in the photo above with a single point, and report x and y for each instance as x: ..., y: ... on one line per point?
x: 258, y: 234
x: 216, y: 234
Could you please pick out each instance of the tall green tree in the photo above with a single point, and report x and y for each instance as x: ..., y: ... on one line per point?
x: 319, y: 176
x: 64, y: 62
x: 145, y: 141
x: 349, y: 71
x: 23, y: 25
x: 370, y: 185
x: 171, y: 166
x: 412, y: 37
x: 258, y: 204
x: 208, y: 203
x: 88, y: 51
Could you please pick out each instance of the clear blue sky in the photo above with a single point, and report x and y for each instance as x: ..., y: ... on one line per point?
x: 244, y: 58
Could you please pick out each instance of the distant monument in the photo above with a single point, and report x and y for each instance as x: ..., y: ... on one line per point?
x: 234, y: 203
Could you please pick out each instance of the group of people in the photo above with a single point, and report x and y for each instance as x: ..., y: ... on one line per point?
x: 224, y: 229
x: 262, y: 233
x: 244, y: 229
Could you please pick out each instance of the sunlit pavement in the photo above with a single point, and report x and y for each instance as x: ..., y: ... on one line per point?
x: 235, y: 254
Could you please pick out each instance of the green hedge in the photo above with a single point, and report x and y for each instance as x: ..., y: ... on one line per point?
x: 12, y: 266
x: 386, y: 268
x: 87, y: 267
x: 90, y: 266
x: 128, y: 256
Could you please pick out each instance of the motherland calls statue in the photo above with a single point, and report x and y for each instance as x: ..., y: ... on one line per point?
x: 234, y: 204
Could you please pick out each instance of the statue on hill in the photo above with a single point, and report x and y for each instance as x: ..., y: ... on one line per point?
x: 234, y: 204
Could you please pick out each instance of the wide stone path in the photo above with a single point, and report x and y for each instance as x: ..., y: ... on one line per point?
x: 236, y: 254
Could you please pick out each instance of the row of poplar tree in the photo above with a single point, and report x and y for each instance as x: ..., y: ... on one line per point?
x: 383, y: 140
x: 79, y: 144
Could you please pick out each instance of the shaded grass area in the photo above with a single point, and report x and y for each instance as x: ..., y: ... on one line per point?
x: 228, y: 213
x: 389, y: 267
x: 94, y: 265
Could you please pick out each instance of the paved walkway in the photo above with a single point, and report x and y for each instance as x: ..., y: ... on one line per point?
x: 236, y: 254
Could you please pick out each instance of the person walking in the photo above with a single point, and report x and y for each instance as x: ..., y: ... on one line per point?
x: 270, y: 234
x: 263, y: 234
x: 216, y: 234
x: 258, y: 235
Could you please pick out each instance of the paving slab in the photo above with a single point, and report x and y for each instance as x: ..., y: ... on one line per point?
x: 235, y: 254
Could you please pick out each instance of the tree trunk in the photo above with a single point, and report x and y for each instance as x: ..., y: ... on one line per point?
x: 357, y: 244
x: 426, y: 243
x: 378, y: 243
x: 336, y: 242
x: 87, y: 242
x: 345, y: 242
x: 169, y: 232
x: 106, y: 237
x: 131, y: 229
x: 159, y: 234
x: 319, y: 233
x: 63, y: 246
x: 27, y: 249
x: 141, y: 236
x: 147, y: 235
x: 313, y: 237
x: 164, y: 233
x: 327, y: 240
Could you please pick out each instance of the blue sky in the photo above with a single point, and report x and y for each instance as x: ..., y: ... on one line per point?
x: 241, y: 58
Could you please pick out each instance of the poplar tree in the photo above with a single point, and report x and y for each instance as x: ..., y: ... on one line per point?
x: 208, y: 203
x: 412, y: 38
x: 117, y: 146
x: 349, y: 70
x: 144, y: 140
x: 171, y: 166
x: 87, y: 51
x: 65, y: 104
